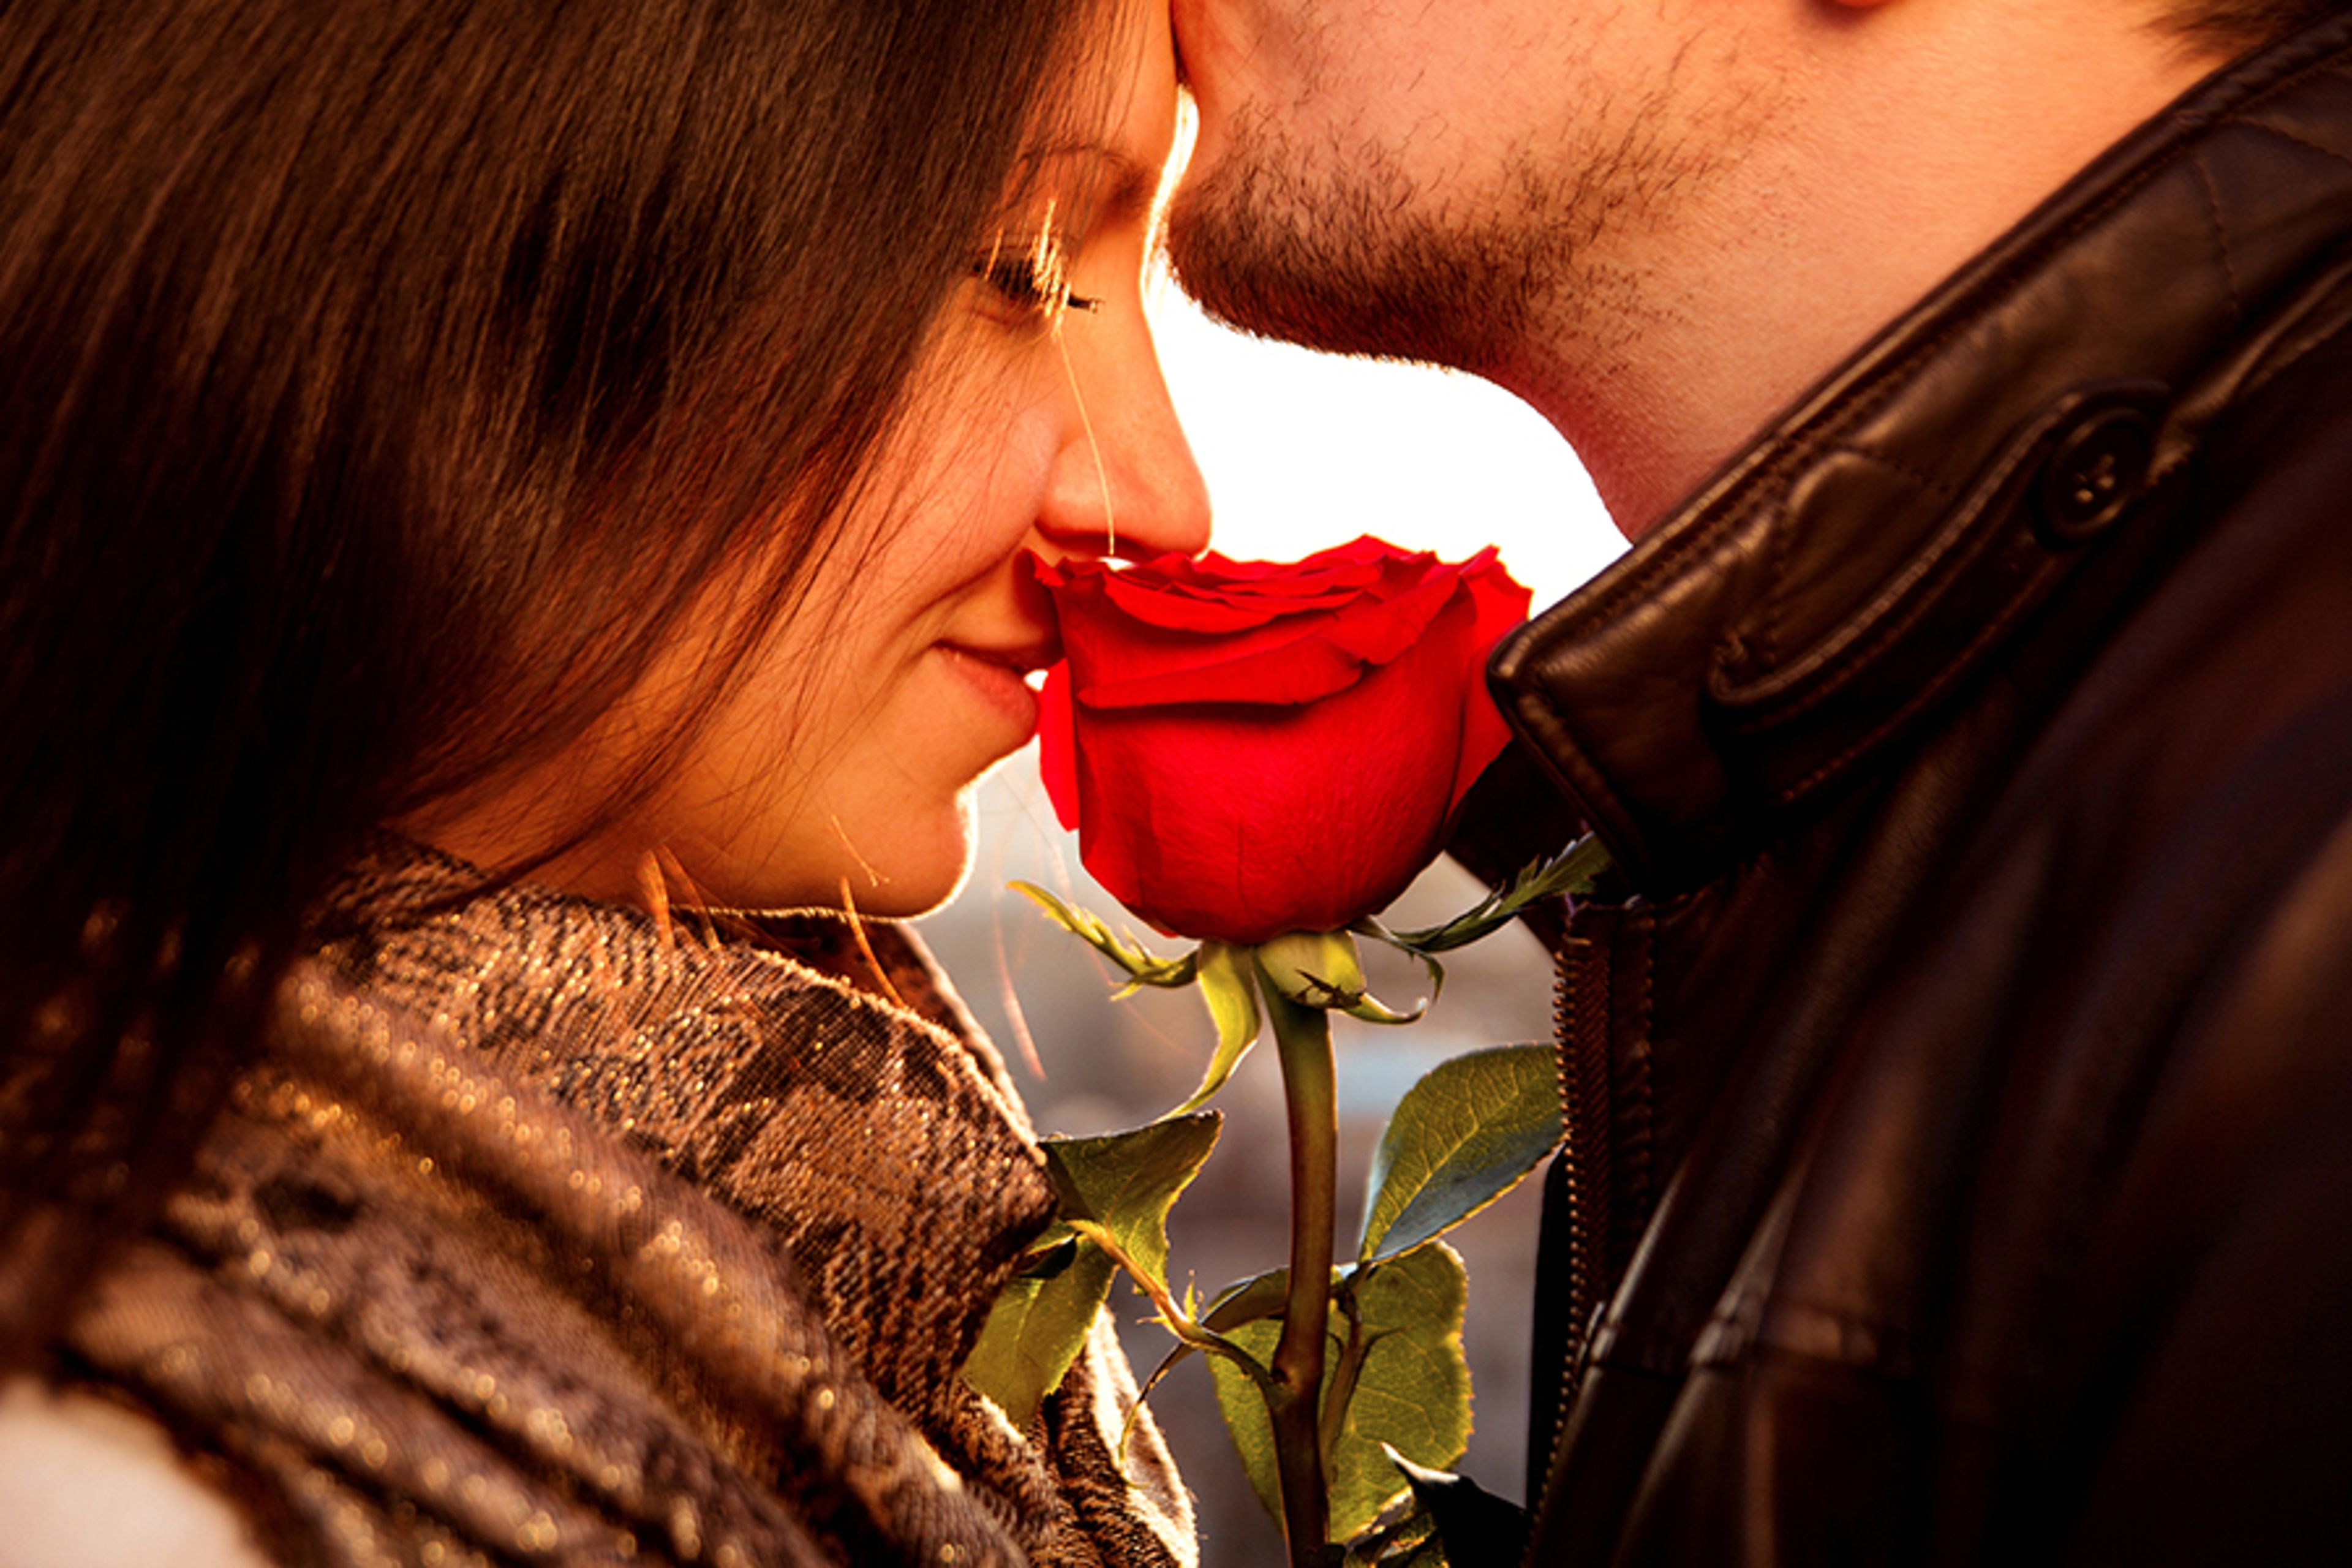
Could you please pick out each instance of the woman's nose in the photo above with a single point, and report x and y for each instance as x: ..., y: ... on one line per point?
x: 1124, y: 480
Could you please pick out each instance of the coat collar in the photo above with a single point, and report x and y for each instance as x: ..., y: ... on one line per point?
x: 1897, y: 530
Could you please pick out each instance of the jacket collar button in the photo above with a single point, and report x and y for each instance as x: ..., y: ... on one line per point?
x: 2094, y: 468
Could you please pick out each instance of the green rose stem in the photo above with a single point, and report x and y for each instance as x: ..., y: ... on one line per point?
x: 1303, y: 1037
x: 1463, y: 1136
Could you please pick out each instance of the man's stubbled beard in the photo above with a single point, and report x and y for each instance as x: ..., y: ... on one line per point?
x: 1342, y: 257
x: 1343, y: 252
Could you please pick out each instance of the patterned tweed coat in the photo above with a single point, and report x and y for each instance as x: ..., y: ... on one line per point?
x: 542, y: 1234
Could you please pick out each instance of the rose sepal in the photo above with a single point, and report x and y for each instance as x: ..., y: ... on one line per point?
x: 1313, y: 969
x: 1324, y: 970
x: 1143, y: 966
x: 1570, y: 873
x: 1228, y: 984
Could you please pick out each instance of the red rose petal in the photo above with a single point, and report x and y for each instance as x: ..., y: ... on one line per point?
x: 1301, y: 669
x: 1057, y: 746
x: 1253, y: 747
x: 1378, y: 630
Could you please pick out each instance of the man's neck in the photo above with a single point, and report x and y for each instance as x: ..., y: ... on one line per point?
x: 1906, y: 138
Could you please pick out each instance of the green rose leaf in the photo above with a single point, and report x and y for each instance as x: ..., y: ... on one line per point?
x: 1036, y: 1331
x: 1414, y: 1392
x: 1126, y: 1183
x: 1461, y: 1138
x: 1116, y: 1191
x: 1249, y: 1300
x: 1402, y: 1354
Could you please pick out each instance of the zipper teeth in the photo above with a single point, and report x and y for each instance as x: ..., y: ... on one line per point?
x: 1563, y: 1009
x: 1584, y: 1100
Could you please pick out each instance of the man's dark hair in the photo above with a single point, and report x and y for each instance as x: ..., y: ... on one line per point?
x: 2232, y: 26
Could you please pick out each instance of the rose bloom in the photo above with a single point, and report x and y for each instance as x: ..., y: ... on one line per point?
x: 1251, y: 748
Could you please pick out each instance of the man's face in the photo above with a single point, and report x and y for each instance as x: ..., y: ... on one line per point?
x: 1442, y: 179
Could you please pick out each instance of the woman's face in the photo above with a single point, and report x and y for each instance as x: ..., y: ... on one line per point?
x: 840, y: 766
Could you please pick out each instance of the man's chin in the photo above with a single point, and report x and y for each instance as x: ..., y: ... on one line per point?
x: 1233, y: 263
x: 1243, y: 247
x: 1251, y: 276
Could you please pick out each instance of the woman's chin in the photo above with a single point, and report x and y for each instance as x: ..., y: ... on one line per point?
x: 916, y: 885
x: 896, y: 876
x: 903, y: 897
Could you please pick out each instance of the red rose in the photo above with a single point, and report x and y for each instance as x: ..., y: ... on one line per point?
x: 1252, y: 748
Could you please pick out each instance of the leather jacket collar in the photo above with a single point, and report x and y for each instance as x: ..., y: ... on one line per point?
x: 1897, y: 528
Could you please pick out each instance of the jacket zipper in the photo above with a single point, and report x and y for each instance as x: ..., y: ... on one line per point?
x: 1584, y: 1176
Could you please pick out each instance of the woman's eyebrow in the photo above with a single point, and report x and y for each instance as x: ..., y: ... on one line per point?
x: 1115, y: 182
x: 1133, y: 186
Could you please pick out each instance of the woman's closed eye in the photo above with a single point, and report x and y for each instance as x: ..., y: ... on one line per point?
x: 1031, y: 279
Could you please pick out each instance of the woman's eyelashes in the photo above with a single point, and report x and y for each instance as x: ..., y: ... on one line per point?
x: 1032, y: 280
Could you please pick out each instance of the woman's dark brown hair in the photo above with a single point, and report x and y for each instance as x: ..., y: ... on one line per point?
x: 381, y: 379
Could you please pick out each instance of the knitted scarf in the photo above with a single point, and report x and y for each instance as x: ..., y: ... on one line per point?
x: 544, y: 1232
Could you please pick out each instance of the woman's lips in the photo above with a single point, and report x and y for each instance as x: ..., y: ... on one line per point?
x: 1003, y: 678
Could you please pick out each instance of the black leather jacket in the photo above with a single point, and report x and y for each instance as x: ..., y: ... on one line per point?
x: 1960, y: 1082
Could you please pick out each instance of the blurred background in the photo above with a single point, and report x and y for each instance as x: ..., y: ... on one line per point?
x: 1300, y: 451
